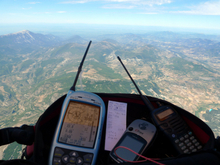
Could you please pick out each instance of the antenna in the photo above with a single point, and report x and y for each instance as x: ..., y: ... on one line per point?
x: 144, y: 98
x: 80, y: 67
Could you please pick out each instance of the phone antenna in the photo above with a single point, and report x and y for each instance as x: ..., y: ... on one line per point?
x: 80, y: 68
x: 144, y: 98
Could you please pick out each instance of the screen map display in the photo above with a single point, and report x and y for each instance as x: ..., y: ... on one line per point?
x: 80, y: 124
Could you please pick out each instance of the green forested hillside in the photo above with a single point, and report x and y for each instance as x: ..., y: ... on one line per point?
x: 30, y: 82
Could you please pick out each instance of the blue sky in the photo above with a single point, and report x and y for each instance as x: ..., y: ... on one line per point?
x: 202, y: 14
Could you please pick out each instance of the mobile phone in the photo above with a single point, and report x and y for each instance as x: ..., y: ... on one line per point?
x: 176, y: 130
x: 137, y: 137
x: 78, y: 134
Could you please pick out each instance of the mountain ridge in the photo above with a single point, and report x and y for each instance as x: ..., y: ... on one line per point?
x: 28, y: 37
x: 16, y: 33
x: 24, y: 42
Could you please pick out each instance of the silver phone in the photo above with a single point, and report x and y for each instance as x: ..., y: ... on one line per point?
x: 137, y: 137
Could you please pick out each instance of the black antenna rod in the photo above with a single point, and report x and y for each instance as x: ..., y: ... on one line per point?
x: 144, y: 98
x: 80, y: 68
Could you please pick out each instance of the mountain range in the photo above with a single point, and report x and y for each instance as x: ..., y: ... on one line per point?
x: 28, y: 38
x: 175, y: 67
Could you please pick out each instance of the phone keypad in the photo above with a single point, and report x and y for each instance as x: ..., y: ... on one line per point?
x: 69, y: 157
x: 188, y: 143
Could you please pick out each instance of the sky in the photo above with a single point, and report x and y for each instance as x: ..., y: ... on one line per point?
x: 196, y: 14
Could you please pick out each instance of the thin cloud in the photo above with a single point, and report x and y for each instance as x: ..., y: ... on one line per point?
x: 136, y: 2
x: 27, y: 8
x: 206, y: 8
x: 149, y: 13
x: 46, y: 12
x: 61, y: 12
x: 117, y: 6
x: 131, y: 4
x: 13, y: 14
x: 33, y: 3
x: 75, y: 2
x: 126, y: 4
x: 143, y: 2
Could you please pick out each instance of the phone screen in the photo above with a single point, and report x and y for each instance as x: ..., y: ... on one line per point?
x: 165, y: 114
x: 131, y: 143
x: 80, y: 124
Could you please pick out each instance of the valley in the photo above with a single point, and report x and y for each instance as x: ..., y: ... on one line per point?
x: 168, y: 67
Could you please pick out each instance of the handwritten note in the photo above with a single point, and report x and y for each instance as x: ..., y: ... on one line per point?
x: 116, y: 123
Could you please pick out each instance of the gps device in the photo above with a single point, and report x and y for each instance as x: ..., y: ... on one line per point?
x: 137, y: 137
x: 78, y: 133
x: 171, y: 124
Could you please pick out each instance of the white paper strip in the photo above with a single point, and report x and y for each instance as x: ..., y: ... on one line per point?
x: 116, y: 123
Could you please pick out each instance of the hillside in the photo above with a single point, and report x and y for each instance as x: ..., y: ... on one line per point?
x: 31, y: 81
x: 24, y: 42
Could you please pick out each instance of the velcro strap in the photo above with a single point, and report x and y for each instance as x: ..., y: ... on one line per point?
x: 22, y: 135
x: 4, y: 136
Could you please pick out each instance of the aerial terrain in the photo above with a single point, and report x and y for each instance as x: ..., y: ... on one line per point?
x: 36, y: 69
